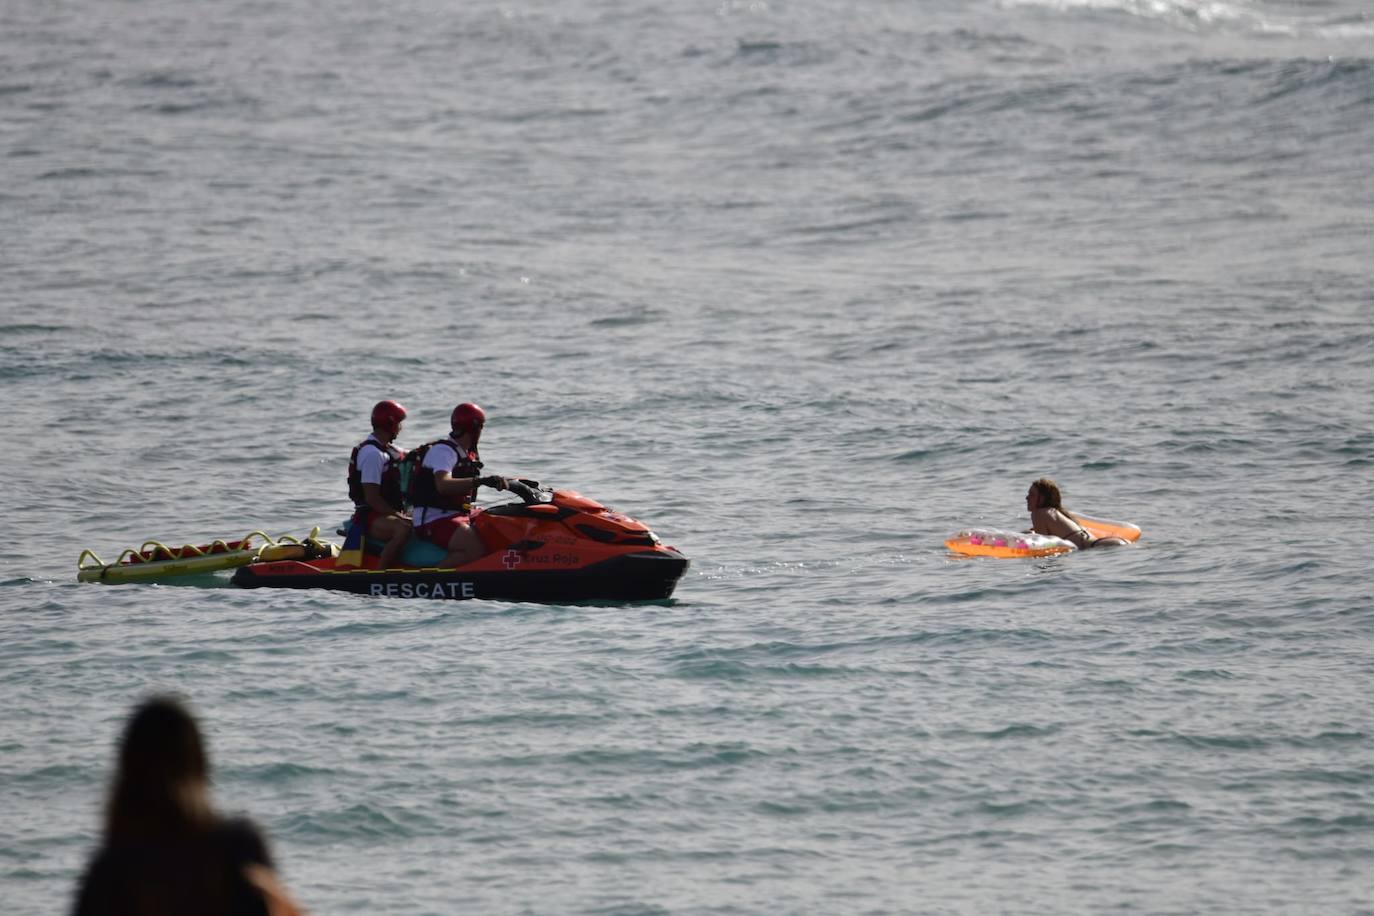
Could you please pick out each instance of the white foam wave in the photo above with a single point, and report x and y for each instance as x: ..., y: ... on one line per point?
x: 1205, y: 14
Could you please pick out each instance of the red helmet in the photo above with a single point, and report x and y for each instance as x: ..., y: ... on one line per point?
x: 468, y: 418
x: 387, y: 415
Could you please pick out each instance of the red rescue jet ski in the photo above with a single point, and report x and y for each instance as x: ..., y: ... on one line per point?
x: 555, y: 546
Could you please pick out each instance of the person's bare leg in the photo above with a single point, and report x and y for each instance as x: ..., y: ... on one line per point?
x: 464, y: 547
x: 396, y: 531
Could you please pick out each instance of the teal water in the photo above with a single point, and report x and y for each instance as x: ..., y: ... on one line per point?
x: 806, y: 288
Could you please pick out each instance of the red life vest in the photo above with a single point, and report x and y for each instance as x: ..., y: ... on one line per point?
x: 423, y: 491
x: 391, y: 475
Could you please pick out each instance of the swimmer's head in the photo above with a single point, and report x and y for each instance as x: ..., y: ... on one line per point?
x: 1044, y: 494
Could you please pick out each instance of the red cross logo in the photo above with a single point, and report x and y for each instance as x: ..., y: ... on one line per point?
x: 511, y: 559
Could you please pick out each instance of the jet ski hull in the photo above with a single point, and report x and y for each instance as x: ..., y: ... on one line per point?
x: 649, y: 575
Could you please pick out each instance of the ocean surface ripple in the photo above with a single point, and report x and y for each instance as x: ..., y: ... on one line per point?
x: 807, y: 287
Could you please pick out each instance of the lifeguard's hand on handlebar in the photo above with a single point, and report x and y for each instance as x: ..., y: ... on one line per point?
x: 496, y: 483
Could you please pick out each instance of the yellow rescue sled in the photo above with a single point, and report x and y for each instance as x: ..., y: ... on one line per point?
x: 155, y: 560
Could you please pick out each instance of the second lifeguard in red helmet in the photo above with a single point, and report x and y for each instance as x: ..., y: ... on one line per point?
x: 445, y: 483
x: 374, y: 482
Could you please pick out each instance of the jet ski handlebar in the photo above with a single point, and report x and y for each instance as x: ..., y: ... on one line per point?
x: 527, y: 490
x: 524, y: 491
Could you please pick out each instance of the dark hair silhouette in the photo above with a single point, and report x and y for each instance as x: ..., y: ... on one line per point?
x: 166, y: 851
x: 162, y: 787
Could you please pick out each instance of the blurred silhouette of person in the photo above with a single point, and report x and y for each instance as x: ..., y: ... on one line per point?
x: 165, y: 851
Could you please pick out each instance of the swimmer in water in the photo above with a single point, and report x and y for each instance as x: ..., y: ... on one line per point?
x: 1048, y: 516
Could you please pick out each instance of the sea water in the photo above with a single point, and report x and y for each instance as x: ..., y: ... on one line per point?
x: 806, y: 286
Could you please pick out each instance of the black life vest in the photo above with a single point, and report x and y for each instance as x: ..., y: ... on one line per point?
x: 392, y: 493
x: 421, y: 489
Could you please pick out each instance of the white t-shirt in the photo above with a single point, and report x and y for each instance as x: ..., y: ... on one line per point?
x: 372, y: 461
x: 440, y: 457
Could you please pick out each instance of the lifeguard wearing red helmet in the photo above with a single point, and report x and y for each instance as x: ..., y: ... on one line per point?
x: 374, y: 483
x: 467, y: 418
x: 444, y: 484
x: 387, y: 415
